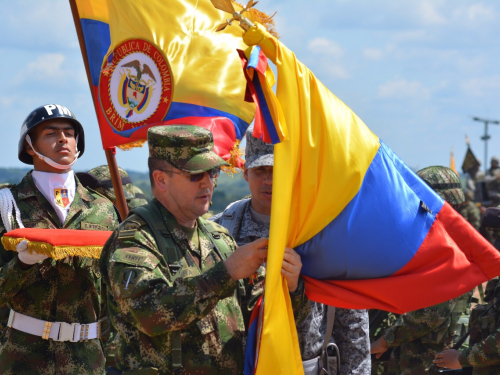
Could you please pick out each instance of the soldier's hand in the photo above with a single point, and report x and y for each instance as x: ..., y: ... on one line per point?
x: 25, y: 258
x: 290, y: 268
x: 247, y: 259
x: 379, y: 347
x: 448, y: 358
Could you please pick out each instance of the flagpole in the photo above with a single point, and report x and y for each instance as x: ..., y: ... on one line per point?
x: 121, y: 202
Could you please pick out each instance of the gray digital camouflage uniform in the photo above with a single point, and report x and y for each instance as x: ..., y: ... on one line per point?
x: 67, y: 290
x: 350, y: 331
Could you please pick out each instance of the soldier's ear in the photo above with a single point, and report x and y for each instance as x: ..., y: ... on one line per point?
x: 245, y: 174
x: 160, y: 179
x: 28, y: 149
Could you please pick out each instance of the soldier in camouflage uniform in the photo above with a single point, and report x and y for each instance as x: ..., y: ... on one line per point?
x: 38, y: 289
x: 483, y: 352
x: 99, y: 180
x: 138, y: 200
x: 380, y: 321
x: 174, y: 289
x: 249, y: 219
x: 492, y: 180
x: 470, y: 211
x: 416, y: 337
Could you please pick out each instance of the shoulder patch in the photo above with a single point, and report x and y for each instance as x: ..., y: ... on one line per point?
x: 129, y: 227
x: 135, y: 257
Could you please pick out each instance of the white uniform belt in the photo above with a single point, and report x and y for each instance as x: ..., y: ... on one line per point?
x: 57, y: 331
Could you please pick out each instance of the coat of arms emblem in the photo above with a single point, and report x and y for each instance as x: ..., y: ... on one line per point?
x: 61, y: 197
x: 135, y: 86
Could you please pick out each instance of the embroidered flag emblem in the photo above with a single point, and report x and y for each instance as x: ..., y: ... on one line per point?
x: 61, y: 197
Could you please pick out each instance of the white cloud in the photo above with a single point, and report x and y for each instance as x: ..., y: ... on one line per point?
x: 400, y: 88
x: 330, y: 55
x: 429, y: 15
x: 419, y: 35
x: 45, y: 68
x: 475, y: 13
x: 6, y: 101
x: 337, y: 71
x: 373, y: 53
x: 481, y: 87
x: 325, y: 46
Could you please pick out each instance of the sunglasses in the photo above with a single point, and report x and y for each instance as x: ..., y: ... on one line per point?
x: 212, y: 173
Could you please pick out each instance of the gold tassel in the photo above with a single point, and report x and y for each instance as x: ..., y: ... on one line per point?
x: 131, y: 145
x: 54, y: 252
x: 236, y: 154
x: 262, y: 18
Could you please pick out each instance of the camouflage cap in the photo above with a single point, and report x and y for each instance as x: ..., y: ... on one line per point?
x: 445, y: 182
x: 188, y: 148
x: 257, y: 152
x: 138, y: 200
x: 99, y: 179
x: 494, y: 159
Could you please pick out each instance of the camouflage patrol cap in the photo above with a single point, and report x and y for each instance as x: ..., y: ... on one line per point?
x: 257, y: 152
x: 99, y: 179
x: 495, y: 159
x: 138, y: 200
x: 445, y: 182
x: 188, y: 148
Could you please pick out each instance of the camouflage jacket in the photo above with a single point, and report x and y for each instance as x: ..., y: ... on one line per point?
x: 350, y: 330
x: 471, y: 213
x: 379, y: 321
x: 492, y: 184
x: 419, y: 335
x: 67, y: 290
x: 483, y: 353
x: 150, y: 302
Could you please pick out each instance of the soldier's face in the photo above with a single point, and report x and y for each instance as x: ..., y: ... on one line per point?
x: 185, y: 199
x: 56, y: 140
x: 260, y: 182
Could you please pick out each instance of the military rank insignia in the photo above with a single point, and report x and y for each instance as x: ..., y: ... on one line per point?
x: 61, y: 197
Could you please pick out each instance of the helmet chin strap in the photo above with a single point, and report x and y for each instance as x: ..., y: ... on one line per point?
x: 50, y: 161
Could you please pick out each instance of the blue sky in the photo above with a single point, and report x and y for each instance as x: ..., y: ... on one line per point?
x: 414, y: 71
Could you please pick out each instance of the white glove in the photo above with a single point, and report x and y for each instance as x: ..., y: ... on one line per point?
x: 25, y: 257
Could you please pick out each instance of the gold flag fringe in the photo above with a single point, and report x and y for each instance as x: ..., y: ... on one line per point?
x: 54, y: 252
x: 131, y: 145
x: 262, y: 18
x: 236, y: 154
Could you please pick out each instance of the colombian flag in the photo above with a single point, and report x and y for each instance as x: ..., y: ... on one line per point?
x: 207, y: 86
x: 370, y: 232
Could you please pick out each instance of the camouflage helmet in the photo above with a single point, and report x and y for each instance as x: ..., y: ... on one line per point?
x: 99, y: 179
x: 138, y: 200
x: 445, y: 182
x: 257, y: 152
x: 186, y: 147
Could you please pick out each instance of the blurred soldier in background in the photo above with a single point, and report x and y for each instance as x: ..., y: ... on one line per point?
x: 492, y: 180
x: 99, y: 180
x: 483, y: 352
x: 380, y: 321
x: 470, y: 211
x: 416, y: 337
